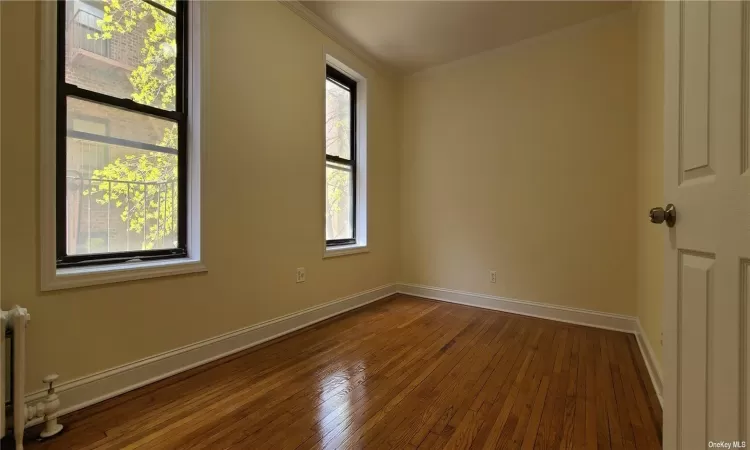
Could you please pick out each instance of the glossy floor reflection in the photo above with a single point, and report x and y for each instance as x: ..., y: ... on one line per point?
x: 401, y: 373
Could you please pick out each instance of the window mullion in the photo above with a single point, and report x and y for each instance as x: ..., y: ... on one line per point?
x: 72, y: 90
x: 340, y: 160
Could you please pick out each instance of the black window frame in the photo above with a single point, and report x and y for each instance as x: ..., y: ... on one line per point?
x: 346, y: 82
x: 179, y: 116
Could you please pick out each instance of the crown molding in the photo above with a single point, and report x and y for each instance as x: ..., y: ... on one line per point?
x: 339, y: 38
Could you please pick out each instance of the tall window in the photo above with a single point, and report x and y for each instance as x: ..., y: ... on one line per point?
x: 341, y: 155
x: 121, y: 131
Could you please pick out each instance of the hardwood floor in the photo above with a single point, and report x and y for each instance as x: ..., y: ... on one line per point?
x: 401, y: 373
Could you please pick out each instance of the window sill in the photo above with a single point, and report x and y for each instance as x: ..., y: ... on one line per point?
x: 344, y: 250
x: 116, y: 273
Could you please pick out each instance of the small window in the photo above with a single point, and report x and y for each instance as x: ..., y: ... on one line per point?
x: 341, y: 159
x: 121, y: 131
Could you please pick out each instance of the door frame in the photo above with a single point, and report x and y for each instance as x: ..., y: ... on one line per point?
x: 672, y: 42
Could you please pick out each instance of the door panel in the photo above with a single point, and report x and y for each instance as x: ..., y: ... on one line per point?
x: 694, y: 153
x: 696, y: 295
x: 706, y: 128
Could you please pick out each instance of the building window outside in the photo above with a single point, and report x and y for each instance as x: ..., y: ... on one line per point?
x: 85, y: 24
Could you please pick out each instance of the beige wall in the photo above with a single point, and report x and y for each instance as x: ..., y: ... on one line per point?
x: 521, y: 160
x: 264, y: 134
x: 650, y: 259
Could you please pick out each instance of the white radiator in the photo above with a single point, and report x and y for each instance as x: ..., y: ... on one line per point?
x: 14, y: 320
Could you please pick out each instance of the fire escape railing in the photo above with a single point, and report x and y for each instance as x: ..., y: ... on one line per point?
x: 155, y: 210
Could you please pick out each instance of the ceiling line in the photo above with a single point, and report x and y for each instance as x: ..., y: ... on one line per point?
x: 324, y: 27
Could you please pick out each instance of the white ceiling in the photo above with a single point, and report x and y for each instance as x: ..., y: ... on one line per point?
x: 414, y: 35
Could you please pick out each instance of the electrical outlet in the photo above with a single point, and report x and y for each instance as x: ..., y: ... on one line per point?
x: 300, y: 274
x: 493, y: 276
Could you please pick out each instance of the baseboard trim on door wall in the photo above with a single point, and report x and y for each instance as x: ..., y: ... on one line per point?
x: 596, y: 319
x: 559, y: 313
x: 654, y: 369
x: 94, y: 388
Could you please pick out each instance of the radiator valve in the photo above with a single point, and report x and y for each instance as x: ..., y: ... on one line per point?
x: 47, y: 409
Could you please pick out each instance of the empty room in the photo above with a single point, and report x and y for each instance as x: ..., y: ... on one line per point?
x: 282, y: 224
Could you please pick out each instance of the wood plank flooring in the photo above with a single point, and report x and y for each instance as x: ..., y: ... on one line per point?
x: 405, y: 373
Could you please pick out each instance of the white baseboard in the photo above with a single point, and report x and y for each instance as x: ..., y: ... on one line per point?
x: 526, y: 308
x: 653, y: 366
x: 94, y: 388
x: 627, y: 324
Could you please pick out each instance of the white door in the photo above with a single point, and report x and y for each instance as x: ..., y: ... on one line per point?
x: 707, y: 178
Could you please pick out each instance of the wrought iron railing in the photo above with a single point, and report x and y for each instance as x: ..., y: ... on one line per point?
x: 97, y: 222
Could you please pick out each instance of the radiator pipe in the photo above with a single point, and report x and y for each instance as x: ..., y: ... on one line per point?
x: 19, y: 318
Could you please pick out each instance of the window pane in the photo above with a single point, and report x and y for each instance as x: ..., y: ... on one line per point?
x: 339, y: 211
x: 121, y: 180
x: 125, y: 49
x: 338, y: 120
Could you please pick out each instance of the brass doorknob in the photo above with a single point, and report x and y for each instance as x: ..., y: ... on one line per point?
x: 661, y: 215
